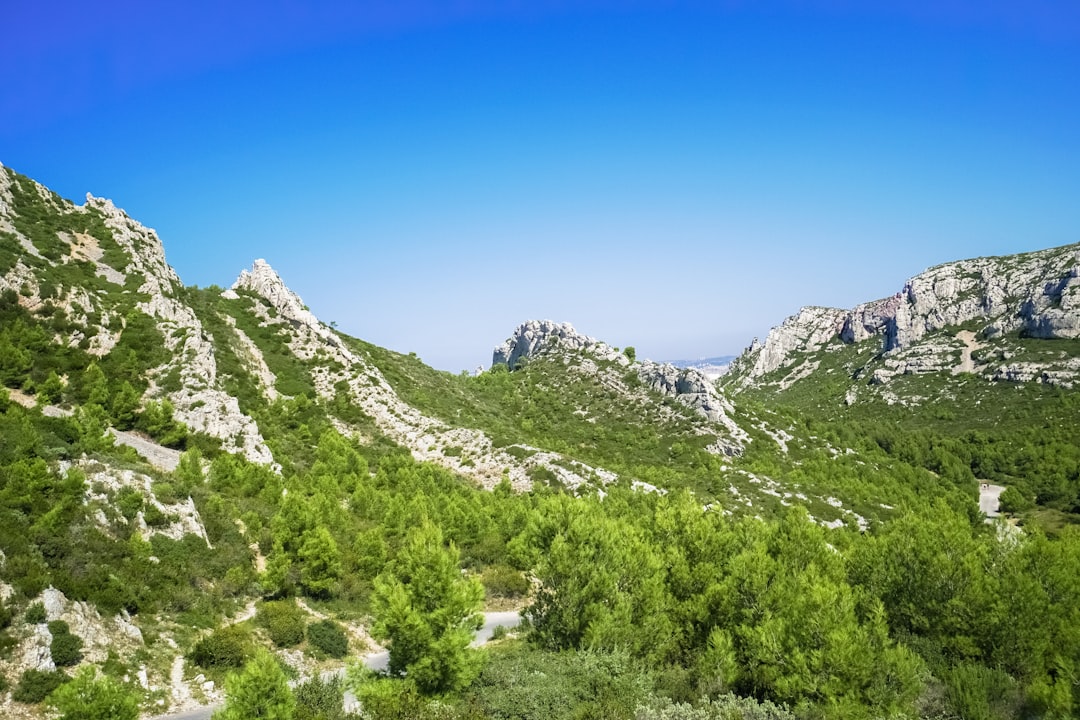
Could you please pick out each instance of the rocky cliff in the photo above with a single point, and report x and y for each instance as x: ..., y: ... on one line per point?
x: 688, y: 386
x: 97, y: 265
x: 1033, y: 295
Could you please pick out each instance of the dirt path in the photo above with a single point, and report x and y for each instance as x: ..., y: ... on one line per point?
x: 989, y: 499
x: 159, y: 456
x: 967, y: 364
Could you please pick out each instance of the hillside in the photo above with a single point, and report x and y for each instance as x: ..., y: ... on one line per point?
x: 972, y: 366
x: 192, y: 476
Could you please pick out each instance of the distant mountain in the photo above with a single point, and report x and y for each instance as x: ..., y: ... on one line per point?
x: 711, y: 367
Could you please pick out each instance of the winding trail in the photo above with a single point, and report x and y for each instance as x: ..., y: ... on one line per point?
x: 375, y: 661
x: 990, y: 500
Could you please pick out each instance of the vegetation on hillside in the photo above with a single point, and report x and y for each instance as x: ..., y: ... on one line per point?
x: 723, y: 596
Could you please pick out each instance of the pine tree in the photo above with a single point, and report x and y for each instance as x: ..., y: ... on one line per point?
x: 125, y: 405
x: 259, y: 691
x: 321, y: 560
x: 428, y: 613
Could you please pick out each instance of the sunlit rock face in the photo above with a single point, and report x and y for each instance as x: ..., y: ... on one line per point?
x: 1037, y: 294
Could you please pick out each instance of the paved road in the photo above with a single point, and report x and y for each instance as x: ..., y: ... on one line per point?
x: 989, y: 499
x: 376, y: 661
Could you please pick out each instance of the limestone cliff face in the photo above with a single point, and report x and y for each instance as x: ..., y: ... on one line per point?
x: 688, y: 386
x: 533, y: 336
x: 1037, y: 294
x: 140, y: 257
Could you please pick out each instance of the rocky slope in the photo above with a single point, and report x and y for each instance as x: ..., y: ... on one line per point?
x: 71, y: 271
x: 335, y: 368
x: 939, y: 321
x: 688, y: 386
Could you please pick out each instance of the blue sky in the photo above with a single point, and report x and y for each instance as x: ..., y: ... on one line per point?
x: 674, y: 176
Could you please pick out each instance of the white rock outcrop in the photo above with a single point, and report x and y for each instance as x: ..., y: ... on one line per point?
x: 1035, y: 293
x: 689, y: 386
x: 200, y: 403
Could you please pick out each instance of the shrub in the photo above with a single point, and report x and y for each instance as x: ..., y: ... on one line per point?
x: 560, y: 686
x: 503, y: 581
x: 90, y: 697
x: 66, y: 649
x: 1014, y: 501
x: 36, y: 614
x: 154, y: 517
x: 981, y: 693
x: 725, y: 706
x: 328, y: 637
x: 284, y: 622
x: 319, y: 699
x: 226, y: 647
x: 36, y: 685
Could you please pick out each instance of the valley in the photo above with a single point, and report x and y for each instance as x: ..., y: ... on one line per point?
x: 210, y: 497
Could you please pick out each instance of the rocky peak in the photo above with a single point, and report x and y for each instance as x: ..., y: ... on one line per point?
x: 264, y: 281
x: 533, y: 337
x: 142, y: 245
x: 689, y: 386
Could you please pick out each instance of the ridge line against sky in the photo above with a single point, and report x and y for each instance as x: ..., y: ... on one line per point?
x: 674, y: 176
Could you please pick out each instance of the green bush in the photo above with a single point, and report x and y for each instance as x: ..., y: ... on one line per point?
x: 725, y: 707
x: 226, y: 647
x: 319, y: 699
x: 328, y: 637
x: 153, y: 517
x: 284, y: 622
x: 1014, y: 501
x: 504, y: 581
x: 36, y: 685
x: 66, y: 649
x: 977, y: 692
x: 36, y: 614
x: 560, y: 686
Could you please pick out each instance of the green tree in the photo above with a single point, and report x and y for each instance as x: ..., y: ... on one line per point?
x: 1014, y: 501
x: 278, y: 577
x: 602, y: 583
x: 91, y: 422
x: 95, y: 387
x: 158, y: 421
x: 125, y: 406
x: 50, y: 391
x: 631, y: 353
x: 427, y: 612
x: 258, y: 692
x: 321, y: 563
x: 89, y: 697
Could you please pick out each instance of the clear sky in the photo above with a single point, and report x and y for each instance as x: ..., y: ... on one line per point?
x: 670, y: 175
